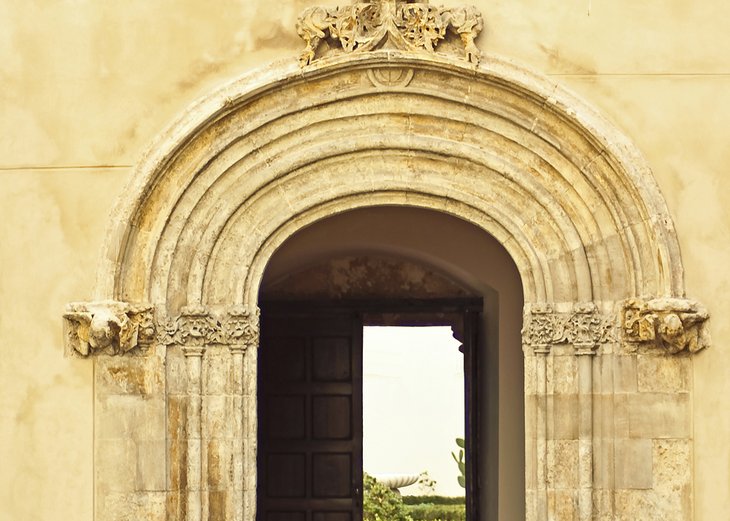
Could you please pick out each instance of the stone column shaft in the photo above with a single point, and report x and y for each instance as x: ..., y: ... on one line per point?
x: 250, y: 432
x: 541, y: 509
x: 237, y: 356
x: 585, y: 434
x: 193, y: 361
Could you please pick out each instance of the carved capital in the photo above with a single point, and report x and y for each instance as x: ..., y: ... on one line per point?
x: 584, y: 328
x: 671, y: 324
x: 107, y: 327
x: 241, y: 329
x: 235, y: 327
x: 194, y: 327
x: 540, y: 328
x: 402, y: 24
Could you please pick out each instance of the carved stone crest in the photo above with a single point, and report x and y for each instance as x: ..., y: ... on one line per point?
x: 403, y: 24
x: 585, y: 328
x: 107, y: 327
x: 672, y: 324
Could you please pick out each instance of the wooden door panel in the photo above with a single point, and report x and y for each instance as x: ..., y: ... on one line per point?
x: 332, y: 475
x: 287, y: 417
x: 310, y: 417
x: 332, y: 359
x: 286, y: 516
x: 332, y: 417
x: 290, y: 356
x: 287, y: 475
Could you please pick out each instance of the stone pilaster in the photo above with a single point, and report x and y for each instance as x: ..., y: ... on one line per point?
x: 195, y: 329
x: 241, y: 333
x: 561, y: 346
x: 211, y: 406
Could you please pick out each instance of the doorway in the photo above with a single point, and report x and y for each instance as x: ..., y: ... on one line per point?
x: 310, y: 459
x: 401, y: 253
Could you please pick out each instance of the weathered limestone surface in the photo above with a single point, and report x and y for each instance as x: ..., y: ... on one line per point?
x: 364, y: 276
x: 573, y: 467
x: 83, y: 95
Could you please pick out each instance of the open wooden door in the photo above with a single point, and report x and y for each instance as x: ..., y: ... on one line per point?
x: 310, y: 402
x: 310, y: 416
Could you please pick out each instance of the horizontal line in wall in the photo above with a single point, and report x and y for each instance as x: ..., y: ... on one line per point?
x: 64, y: 167
x: 642, y: 74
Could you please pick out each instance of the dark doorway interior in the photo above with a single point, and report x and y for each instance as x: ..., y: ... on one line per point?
x: 310, y: 410
x: 310, y: 401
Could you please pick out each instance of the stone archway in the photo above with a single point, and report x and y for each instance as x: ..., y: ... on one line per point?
x: 381, y: 255
x: 566, y: 194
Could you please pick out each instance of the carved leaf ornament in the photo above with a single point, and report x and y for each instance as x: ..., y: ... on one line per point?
x: 402, y: 24
x: 118, y: 328
x: 584, y: 328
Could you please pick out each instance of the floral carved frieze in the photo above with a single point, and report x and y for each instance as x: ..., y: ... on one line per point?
x: 118, y: 328
x: 672, y: 324
x: 108, y: 327
x: 197, y: 326
x: 403, y: 24
x: 584, y: 328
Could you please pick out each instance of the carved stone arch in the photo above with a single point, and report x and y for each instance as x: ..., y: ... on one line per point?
x: 594, y: 216
x: 494, y: 144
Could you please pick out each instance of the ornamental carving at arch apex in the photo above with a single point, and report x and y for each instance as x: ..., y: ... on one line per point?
x: 402, y: 24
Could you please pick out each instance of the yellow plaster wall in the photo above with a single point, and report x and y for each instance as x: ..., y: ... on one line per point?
x: 51, y: 228
x: 86, y: 85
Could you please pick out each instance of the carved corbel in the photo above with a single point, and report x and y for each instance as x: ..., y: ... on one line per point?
x: 672, y: 324
x: 117, y: 328
x: 108, y: 327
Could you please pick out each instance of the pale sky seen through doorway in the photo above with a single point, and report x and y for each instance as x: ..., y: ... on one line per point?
x: 413, y: 403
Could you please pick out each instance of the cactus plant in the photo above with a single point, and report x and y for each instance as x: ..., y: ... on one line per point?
x: 460, y: 462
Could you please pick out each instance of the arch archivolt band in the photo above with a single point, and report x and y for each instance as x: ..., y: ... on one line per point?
x: 584, y: 193
x: 567, y: 195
